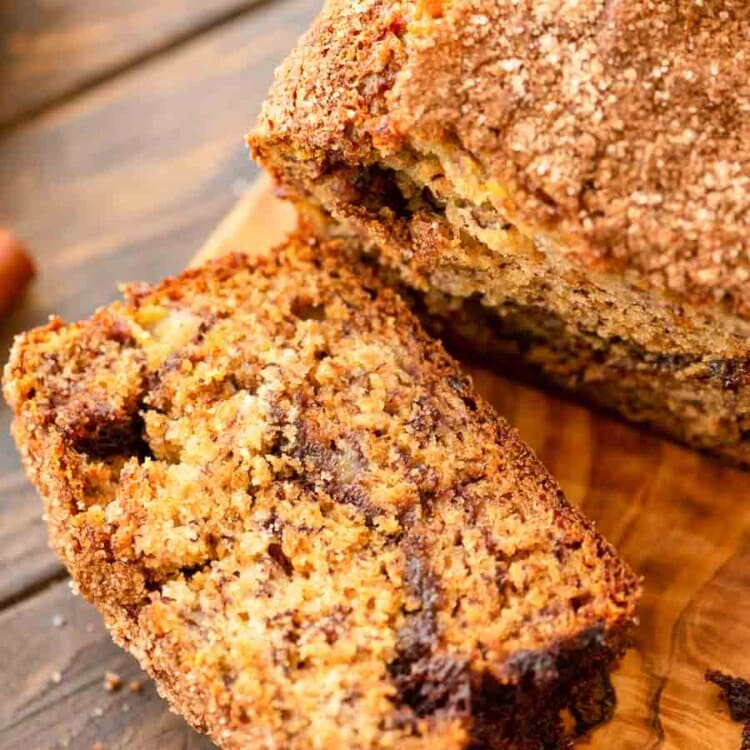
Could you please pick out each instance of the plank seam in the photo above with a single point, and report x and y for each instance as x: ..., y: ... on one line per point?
x: 148, y: 55
x: 37, y: 587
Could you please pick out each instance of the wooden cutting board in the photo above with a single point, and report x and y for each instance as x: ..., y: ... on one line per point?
x: 681, y: 519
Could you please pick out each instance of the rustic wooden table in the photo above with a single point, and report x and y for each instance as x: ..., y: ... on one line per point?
x: 120, y: 149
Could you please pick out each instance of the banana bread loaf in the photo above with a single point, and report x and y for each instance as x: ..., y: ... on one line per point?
x: 288, y: 503
x: 565, y: 184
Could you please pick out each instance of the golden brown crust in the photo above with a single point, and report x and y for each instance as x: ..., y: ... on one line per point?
x: 618, y: 128
x: 290, y: 506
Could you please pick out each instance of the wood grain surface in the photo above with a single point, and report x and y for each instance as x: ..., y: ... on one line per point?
x: 134, y: 151
x: 51, y: 49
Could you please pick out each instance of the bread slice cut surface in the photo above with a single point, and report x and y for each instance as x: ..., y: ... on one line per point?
x: 289, y: 504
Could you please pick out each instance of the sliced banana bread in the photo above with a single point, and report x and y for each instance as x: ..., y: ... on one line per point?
x: 291, y: 507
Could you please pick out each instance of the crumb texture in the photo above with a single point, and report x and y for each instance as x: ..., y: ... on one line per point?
x: 736, y: 693
x: 292, y: 508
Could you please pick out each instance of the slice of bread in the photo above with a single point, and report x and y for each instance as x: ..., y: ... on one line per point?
x: 290, y: 506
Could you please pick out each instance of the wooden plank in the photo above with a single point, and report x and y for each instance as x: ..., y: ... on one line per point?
x: 26, y: 560
x: 125, y: 183
x: 50, y: 50
x: 55, y: 653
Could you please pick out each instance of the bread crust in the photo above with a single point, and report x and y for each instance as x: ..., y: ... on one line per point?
x: 617, y: 130
x: 290, y: 506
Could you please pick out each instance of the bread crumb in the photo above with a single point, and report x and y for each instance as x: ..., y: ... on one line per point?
x: 736, y: 694
x: 112, y: 681
x: 135, y: 686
